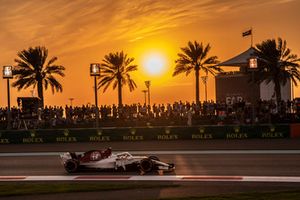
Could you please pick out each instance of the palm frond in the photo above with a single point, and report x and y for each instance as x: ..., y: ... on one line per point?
x: 114, y: 66
x: 31, y: 68
x: 194, y: 56
x: 23, y: 83
x: 51, y: 61
x: 131, y: 68
x: 276, y: 63
x: 54, y: 84
x: 55, y: 69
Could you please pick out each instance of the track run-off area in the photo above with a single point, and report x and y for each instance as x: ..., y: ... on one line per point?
x: 172, y: 178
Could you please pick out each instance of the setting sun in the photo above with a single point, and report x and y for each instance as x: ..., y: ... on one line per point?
x: 154, y: 64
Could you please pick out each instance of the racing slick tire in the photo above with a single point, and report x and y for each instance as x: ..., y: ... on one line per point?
x: 154, y: 158
x: 146, y: 165
x: 71, y: 166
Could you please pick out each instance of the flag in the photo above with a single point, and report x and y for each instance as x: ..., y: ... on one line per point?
x: 246, y: 33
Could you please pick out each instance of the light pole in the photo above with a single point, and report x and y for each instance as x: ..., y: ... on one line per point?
x: 253, y: 66
x: 71, y: 101
x: 8, y: 74
x: 148, y: 83
x: 145, y: 95
x: 95, y: 71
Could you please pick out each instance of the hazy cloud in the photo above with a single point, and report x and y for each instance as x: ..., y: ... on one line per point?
x: 72, y: 25
x: 285, y: 1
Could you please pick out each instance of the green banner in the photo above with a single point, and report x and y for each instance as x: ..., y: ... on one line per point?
x: 144, y: 133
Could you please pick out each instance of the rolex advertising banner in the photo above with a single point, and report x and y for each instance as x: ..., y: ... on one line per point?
x: 145, y: 133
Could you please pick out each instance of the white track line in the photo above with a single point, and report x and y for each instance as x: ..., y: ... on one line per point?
x: 193, y: 152
x: 178, y: 178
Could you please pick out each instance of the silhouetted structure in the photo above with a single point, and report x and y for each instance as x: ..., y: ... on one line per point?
x: 240, y: 85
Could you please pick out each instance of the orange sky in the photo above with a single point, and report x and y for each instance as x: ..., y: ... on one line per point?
x: 81, y: 32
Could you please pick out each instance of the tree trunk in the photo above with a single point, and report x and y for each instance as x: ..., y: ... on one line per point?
x: 40, y: 93
x: 120, y: 92
x: 278, y: 94
x: 197, y: 85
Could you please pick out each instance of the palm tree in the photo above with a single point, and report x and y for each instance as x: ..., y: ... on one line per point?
x: 33, y: 70
x: 115, y: 70
x: 195, y: 57
x: 276, y: 64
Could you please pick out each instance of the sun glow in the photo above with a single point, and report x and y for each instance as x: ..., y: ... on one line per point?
x: 154, y: 64
x: 155, y: 60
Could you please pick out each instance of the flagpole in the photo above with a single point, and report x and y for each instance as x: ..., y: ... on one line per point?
x: 247, y: 33
x: 251, y: 37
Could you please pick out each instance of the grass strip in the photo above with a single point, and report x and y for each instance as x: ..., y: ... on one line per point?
x: 283, y: 195
x: 33, y: 188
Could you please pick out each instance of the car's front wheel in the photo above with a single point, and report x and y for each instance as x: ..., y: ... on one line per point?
x: 146, y: 165
x: 71, y: 166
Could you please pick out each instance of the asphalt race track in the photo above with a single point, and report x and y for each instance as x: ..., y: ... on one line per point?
x: 220, y: 163
x: 214, y: 158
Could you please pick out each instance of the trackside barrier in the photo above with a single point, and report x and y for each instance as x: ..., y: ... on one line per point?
x: 295, y: 130
x: 149, y: 133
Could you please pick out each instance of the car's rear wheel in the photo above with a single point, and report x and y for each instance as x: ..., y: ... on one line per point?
x: 71, y: 166
x: 146, y: 165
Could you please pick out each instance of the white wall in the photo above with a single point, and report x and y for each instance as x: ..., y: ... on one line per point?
x: 267, y: 90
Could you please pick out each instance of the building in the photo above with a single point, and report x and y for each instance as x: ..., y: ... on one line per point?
x: 238, y: 85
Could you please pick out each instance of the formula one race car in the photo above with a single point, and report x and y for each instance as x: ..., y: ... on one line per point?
x: 105, y: 159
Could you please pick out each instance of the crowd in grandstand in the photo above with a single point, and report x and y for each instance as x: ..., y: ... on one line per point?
x: 178, y: 113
